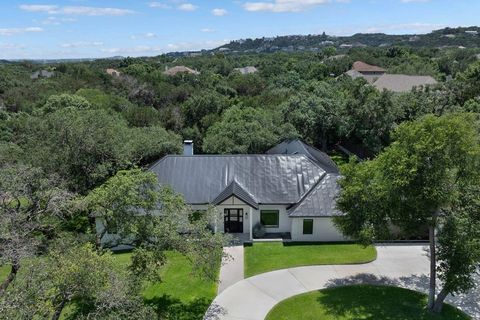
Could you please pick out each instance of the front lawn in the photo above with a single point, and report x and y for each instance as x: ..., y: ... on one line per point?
x: 268, y: 256
x: 361, y: 302
x: 180, y: 296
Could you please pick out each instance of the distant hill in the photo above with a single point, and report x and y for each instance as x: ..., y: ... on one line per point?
x: 468, y: 37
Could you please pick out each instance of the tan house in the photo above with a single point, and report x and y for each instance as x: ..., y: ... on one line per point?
x: 113, y: 72
x: 180, y: 69
x: 367, y: 71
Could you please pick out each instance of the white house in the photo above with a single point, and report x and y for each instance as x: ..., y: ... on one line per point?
x: 291, y: 190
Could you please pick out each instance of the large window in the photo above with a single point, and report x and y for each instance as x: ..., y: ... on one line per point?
x: 307, y: 226
x: 269, y: 218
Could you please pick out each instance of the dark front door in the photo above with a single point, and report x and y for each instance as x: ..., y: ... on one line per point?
x: 233, y: 219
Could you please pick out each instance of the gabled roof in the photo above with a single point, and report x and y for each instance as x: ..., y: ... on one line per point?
x: 361, y: 66
x: 402, y: 82
x: 235, y: 189
x: 296, y: 146
x: 268, y: 179
x: 320, y: 201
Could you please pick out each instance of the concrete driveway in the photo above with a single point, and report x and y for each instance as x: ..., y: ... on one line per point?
x: 399, y: 265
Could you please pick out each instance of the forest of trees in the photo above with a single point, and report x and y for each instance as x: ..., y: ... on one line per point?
x: 74, y: 144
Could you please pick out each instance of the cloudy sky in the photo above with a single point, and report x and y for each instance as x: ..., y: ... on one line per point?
x: 103, y: 28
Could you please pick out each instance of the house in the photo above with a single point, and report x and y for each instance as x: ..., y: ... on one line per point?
x: 367, y: 71
x: 247, y: 70
x: 402, y: 82
x: 113, y: 72
x: 289, y: 190
x: 42, y: 74
x: 179, y: 69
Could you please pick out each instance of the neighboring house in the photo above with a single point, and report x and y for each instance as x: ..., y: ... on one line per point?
x: 367, y: 71
x: 290, y: 190
x: 381, y: 80
x: 247, y: 70
x: 42, y: 74
x: 180, y: 69
x: 402, y: 82
x: 113, y: 72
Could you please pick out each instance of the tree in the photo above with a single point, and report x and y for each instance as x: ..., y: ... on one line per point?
x: 62, y: 101
x: 246, y: 130
x: 317, y: 115
x: 86, y: 146
x: 31, y: 206
x: 422, y: 179
x: 72, y: 274
x: 154, y: 220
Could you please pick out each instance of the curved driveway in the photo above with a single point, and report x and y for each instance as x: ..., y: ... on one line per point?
x: 400, y: 265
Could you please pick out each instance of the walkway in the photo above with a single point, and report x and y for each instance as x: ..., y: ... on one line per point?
x: 399, y: 265
x: 231, y: 270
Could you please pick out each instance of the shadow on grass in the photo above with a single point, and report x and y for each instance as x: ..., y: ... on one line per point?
x: 171, y: 308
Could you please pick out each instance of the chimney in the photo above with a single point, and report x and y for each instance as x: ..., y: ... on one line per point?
x: 188, y: 147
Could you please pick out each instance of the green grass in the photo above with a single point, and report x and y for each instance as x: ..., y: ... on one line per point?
x: 4, y: 271
x: 361, y: 302
x: 269, y: 256
x: 179, y: 296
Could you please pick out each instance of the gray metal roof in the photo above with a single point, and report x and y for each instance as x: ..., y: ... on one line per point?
x: 296, y: 146
x: 320, y: 201
x: 268, y: 179
x: 235, y: 189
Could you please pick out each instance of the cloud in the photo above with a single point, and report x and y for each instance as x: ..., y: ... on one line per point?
x: 82, y: 44
x: 410, y: 1
x: 187, y: 7
x: 12, y: 46
x: 159, y: 5
x: 147, y: 35
x: 207, y: 30
x: 75, y: 10
x: 13, y: 31
x: 219, y: 12
x: 284, y: 5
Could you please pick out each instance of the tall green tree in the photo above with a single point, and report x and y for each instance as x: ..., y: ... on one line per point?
x: 422, y: 179
x: 246, y: 130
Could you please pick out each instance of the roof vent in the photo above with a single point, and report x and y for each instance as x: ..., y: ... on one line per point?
x: 188, y: 147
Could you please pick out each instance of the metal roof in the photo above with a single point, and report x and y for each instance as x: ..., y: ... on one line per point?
x: 320, y: 201
x: 235, y: 189
x: 268, y: 179
x: 296, y: 146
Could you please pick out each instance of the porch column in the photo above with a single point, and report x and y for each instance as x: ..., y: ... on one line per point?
x: 250, y: 213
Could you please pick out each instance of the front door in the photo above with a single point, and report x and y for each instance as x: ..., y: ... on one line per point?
x: 233, y: 220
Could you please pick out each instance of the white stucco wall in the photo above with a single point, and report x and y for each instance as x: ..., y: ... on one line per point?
x: 323, y: 230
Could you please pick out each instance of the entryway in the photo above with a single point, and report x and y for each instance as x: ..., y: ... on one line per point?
x: 233, y: 220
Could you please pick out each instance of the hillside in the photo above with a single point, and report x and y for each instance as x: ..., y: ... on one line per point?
x: 468, y: 37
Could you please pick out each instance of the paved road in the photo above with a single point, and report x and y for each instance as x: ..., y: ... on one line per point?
x: 400, y: 265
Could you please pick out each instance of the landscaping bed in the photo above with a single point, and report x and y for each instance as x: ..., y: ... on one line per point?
x: 263, y: 257
x: 361, y: 302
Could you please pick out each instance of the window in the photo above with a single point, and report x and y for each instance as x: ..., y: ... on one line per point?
x: 269, y: 218
x: 307, y: 226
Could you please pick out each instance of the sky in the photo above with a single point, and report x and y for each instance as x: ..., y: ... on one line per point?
x: 52, y: 29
